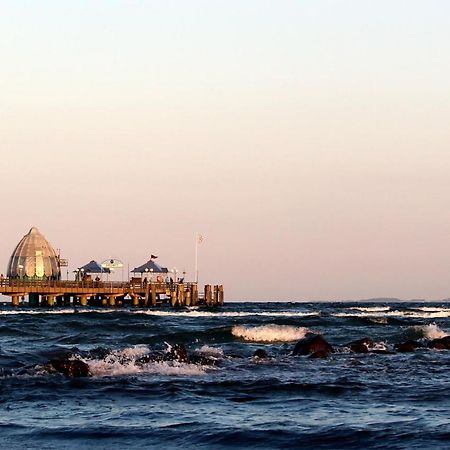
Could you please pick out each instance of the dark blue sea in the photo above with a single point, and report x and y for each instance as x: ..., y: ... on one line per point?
x: 223, y: 396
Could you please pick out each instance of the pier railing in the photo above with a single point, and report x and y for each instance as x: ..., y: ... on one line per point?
x: 67, y: 284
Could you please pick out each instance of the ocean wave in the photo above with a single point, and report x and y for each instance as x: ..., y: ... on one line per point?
x: 270, y: 333
x: 430, y: 331
x: 396, y: 313
x: 196, y: 313
x: 173, y: 313
x: 125, y: 362
x: 372, y: 308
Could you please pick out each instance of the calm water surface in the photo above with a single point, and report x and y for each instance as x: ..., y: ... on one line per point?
x: 227, y: 398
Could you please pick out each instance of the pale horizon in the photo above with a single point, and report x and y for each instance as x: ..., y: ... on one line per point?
x: 307, y: 142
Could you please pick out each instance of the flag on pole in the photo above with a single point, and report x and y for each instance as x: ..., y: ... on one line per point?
x: 199, y: 238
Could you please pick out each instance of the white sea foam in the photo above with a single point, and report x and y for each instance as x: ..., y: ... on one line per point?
x: 195, y: 313
x: 206, y: 350
x: 396, y: 313
x: 123, y: 362
x: 270, y: 333
x: 372, y: 308
x: 432, y: 331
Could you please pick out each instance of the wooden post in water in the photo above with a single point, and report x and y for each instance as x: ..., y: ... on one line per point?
x: 15, y: 300
x: 180, y: 294
x: 221, y: 295
x: 173, y: 297
x: 135, y: 298
x: 83, y: 300
x: 51, y: 300
x: 216, y: 295
x: 194, y: 294
x: 147, y: 295
x: 208, y: 294
x: 188, y: 296
x: 153, y: 291
x: 112, y: 300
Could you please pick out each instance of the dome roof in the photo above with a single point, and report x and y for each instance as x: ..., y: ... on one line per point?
x: 34, y: 257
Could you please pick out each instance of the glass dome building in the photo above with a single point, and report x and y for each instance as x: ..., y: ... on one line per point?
x: 34, y: 258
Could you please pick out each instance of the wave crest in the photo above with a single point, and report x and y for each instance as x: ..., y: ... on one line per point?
x: 270, y: 333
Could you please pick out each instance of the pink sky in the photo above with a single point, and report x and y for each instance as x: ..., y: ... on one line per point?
x: 309, y: 145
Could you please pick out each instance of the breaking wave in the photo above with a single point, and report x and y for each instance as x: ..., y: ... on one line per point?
x: 270, y: 333
x: 124, y: 362
x: 430, y: 331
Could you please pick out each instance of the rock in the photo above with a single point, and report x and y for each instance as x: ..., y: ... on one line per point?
x: 361, y: 345
x: 440, y: 344
x: 70, y: 367
x: 322, y: 354
x: 260, y: 354
x: 177, y: 352
x: 407, y: 346
x: 312, y: 343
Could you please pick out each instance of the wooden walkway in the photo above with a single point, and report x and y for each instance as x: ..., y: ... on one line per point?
x: 109, y: 293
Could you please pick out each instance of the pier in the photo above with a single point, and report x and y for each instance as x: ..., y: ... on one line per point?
x: 34, y: 272
x: 136, y: 292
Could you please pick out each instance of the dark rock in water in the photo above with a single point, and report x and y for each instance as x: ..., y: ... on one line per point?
x: 177, y: 352
x: 312, y: 343
x: 361, y: 345
x: 320, y: 354
x: 440, y: 344
x: 99, y: 353
x: 70, y: 367
x: 261, y: 354
x: 407, y: 346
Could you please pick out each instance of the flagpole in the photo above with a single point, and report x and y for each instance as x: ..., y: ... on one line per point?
x: 196, y: 258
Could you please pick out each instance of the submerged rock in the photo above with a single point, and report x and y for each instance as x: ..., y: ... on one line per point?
x: 407, y: 346
x: 310, y: 344
x: 320, y: 354
x: 440, y: 344
x: 70, y: 367
x: 361, y: 345
x: 260, y: 354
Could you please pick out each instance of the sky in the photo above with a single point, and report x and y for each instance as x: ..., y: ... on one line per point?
x: 307, y: 141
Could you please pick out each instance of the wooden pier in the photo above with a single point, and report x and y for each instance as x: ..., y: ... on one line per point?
x: 135, y: 293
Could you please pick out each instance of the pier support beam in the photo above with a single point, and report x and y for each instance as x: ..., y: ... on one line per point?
x: 51, y: 300
x: 135, y: 299
x: 180, y: 294
x: 173, y: 297
x: 194, y: 295
x: 112, y: 300
x: 216, y: 295
x: 15, y: 300
x: 153, y: 294
x: 208, y: 294
x: 84, y: 300
x: 187, y: 297
x: 221, y: 295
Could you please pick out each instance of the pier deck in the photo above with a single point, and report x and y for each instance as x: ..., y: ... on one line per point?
x: 110, y: 293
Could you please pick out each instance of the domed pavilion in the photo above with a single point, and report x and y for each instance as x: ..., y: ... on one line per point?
x: 34, y: 258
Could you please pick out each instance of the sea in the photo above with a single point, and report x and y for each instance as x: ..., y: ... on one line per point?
x: 224, y: 396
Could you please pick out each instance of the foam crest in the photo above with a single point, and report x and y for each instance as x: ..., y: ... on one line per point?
x: 124, y: 362
x: 270, y: 333
x: 432, y: 331
x: 196, y: 313
x: 372, y: 308
x: 206, y: 350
